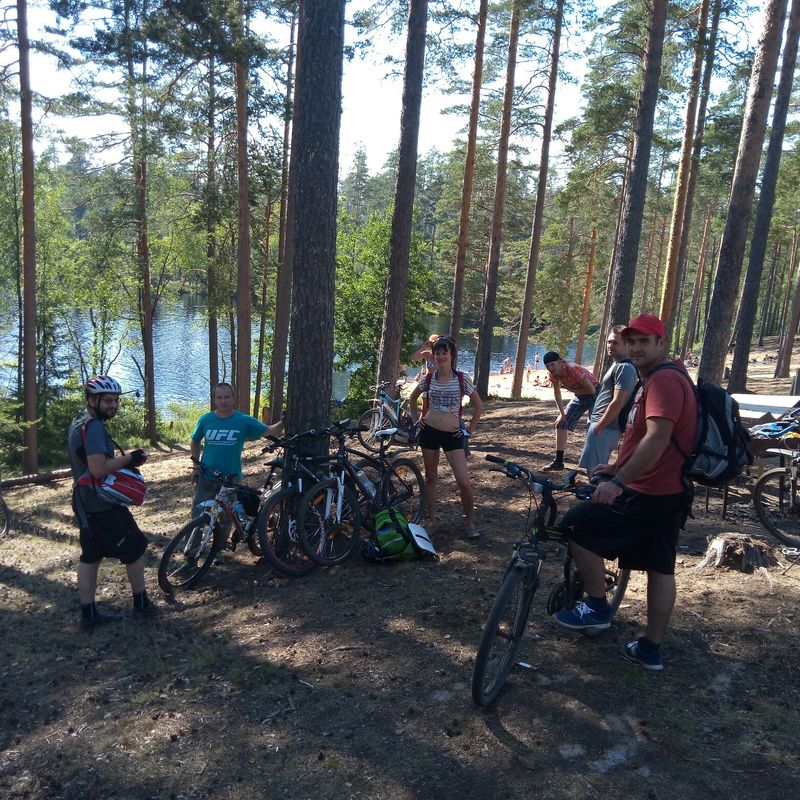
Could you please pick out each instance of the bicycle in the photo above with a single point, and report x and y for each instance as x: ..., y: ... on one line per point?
x: 276, y: 524
x: 508, y: 617
x: 5, y: 515
x: 776, y: 497
x: 190, y: 553
x: 386, y: 412
x: 331, y: 512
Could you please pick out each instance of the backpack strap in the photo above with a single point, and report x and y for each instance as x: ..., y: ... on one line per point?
x: 426, y: 389
x: 670, y: 365
x: 89, y: 479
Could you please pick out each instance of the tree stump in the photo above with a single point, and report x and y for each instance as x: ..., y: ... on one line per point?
x: 737, y: 551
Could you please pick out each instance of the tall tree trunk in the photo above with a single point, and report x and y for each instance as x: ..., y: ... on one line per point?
x: 211, y: 236
x: 319, y: 80
x: 766, y: 202
x: 469, y: 175
x: 394, y: 305
x: 765, y: 307
x: 244, y: 302
x: 731, y: 253
x: 587, y: 294
x: 712, y: 273
x: 538, y: 214
x: 783, y: 365
x: 483, y: 352
x: 283, y: 281
x: 691, y: 321
x: 30, y: 458
x: 785, y: 304
x: 648, y: 260
x: 671, y: 276
x: 262, y: 326
x: 630, y: 233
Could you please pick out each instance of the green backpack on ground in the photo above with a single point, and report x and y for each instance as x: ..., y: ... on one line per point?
x: 396, y: 539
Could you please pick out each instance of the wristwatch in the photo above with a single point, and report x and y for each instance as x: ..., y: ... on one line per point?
x: 615, y: 480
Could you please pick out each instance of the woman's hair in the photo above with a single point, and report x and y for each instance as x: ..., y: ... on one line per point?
x: 447, y: 344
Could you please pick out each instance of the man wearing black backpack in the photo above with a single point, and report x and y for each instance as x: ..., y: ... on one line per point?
x: 637, y: 514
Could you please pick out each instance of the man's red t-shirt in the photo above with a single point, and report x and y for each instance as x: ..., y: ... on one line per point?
x: 666, y: 394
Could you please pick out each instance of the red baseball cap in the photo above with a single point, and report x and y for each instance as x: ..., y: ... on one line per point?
x: 645, y: 323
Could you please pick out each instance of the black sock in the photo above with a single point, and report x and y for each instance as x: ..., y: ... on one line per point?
x: 560, y: 455
x: 141, y: 601
x: 648, y: 648
x: 598, y: 604
x: 88, y: 611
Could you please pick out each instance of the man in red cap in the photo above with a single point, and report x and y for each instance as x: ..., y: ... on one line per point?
x: 637, y: 514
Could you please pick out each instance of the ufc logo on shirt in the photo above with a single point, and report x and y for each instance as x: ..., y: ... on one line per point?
x: 222, y: 436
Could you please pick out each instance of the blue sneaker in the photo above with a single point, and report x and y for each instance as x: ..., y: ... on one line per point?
x: 632, y: 652
x: 582, y: 618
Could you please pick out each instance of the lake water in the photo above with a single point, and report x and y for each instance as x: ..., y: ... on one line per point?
x: 180, y: 342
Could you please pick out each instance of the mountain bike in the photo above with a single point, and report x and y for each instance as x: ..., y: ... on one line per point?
x: 508, y: 617
x: 5, y: 515
x: 192, y: 550
x: 331, y: 512
x: 386, y: 412
x: 776, y: 497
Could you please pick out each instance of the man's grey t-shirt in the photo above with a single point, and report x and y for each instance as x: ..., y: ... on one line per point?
x: 620, y: 375
x: 97, y: 441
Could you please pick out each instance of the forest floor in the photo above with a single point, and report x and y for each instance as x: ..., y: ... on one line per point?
x: 354, y: 682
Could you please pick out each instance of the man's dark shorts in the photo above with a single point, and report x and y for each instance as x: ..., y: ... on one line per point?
x: 112, y: 534
x: 639, y: 529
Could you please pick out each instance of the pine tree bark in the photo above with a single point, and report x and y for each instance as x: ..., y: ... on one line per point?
x: 457, y: 311
x: 211, y: 236
x: 319, y: 79
x: 767, y: 303
x: 587, y: 294
x: 394, y: 305
x: 786, y: 304
x: 731, y: 253
x: 538, y: 214
x: 783, y: 365
x: 766, y: 201
x: 30, y: 457
x: 283, y: 280
x: 633, y: 205
x: 483, y: 352
x: 691, y: 321
x: 671, y: 272
x: 262, y: 326
x: 244, y: 302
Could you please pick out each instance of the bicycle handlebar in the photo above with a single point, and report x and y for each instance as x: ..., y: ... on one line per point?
x: 514, y: 471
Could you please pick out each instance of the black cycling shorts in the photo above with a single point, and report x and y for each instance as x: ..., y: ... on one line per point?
x: 112, y: 534
x: 641, y: 530
x: 433, y: 439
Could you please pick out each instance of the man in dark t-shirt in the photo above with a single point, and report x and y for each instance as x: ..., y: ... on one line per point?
x: 636, y: 516
x: 106, y: 530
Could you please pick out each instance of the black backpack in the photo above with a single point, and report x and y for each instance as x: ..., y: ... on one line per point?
x: 720, y: 452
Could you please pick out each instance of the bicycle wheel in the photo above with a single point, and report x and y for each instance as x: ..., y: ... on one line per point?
x: 328, y: 525
x: 616, y: 584
x: 375, y: 419
x: 776, y: 497
x: 565, y: 597
x: 189, y: 555
x: 502, y: 634
x: 5, y: 518
x: 404, y: 489
x: 277, y: 534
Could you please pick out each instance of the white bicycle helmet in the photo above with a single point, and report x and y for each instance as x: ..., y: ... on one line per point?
x: 102, y: 384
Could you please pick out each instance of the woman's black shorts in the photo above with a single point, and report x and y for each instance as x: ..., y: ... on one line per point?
x: 641, y: 530
x: 433, y: 439
x: 112, y: 534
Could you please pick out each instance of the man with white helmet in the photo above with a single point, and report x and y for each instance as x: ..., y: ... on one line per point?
x: 107, y: 530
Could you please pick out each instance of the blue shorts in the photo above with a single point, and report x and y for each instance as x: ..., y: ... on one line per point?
x: 598, y: 446
x: 580, y: 404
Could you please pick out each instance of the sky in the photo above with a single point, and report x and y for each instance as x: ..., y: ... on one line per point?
x: 370, y: 98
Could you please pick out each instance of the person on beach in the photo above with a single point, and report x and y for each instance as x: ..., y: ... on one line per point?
x: 616, y: 387
x: 536, y: 361
x: 425, y: 354
x: 637, y: 514
x: 583, y: 385
x: 528, y: 370
x: 442, y: 426
x: 107, y: 530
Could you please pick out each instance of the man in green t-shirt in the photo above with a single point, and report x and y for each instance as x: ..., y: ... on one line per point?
x: 220, y: 435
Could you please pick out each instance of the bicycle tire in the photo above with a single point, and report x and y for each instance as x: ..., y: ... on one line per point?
x: 404, y: 489
x: 277, y: 534
x: 616, y: 584
x: 502, y: 634
x: 776, y: 497
x: 374, y: 419
x: 326, y: 540
x: 186, y: 559
x: 5, y: 518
